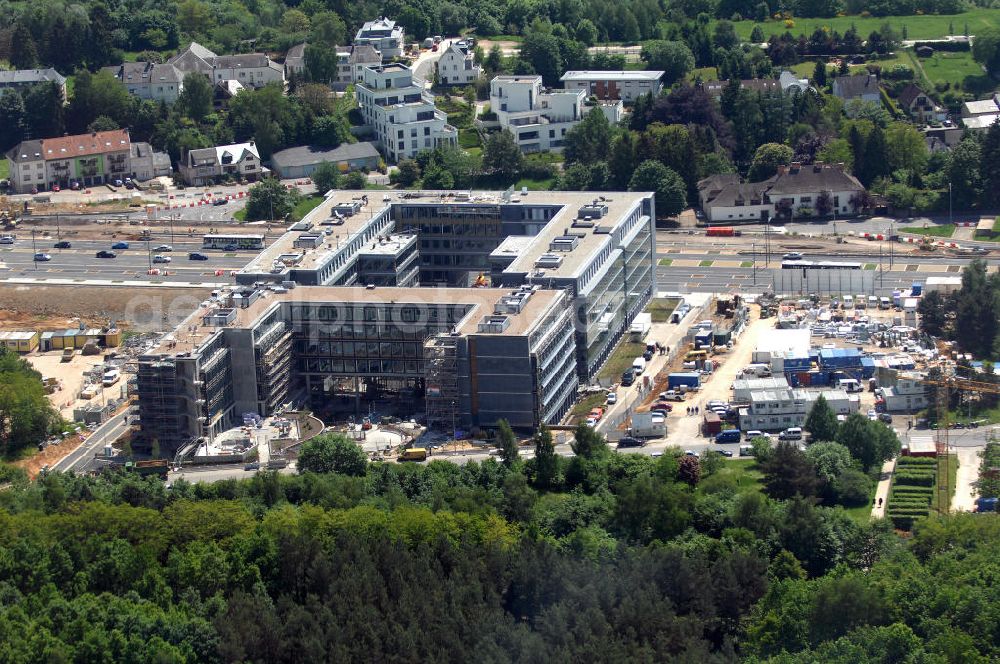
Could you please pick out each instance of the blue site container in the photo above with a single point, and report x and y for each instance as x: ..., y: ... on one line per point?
x: 687, y: 379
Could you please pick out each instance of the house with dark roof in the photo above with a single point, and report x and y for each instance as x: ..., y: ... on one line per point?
x: 300, y: 162
x: 919, y: 106
x: 21, y: 79
x: 795, y: 191
x: 786, y: 82
x: 203, y: 166
x: 252, y: 70
x: 85, y: 159
x: 295, y: 60
x: 149, y: 80
x: 863, y: 87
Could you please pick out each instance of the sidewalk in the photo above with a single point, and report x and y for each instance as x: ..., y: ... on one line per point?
x: 885, y: 480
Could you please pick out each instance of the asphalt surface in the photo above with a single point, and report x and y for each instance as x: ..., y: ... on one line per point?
x: 80, y: 261
x: 82, y: 458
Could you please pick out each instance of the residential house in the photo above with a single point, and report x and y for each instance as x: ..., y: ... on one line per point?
x: 148, y: 80
x: 539, y: 118
x: 786, y: 82
x: 351, y: 61
x: 401, y: 112
x: 252, y: 70
x: 795, y: 191
x: 300, y: 162
x: 86, y: 159
x: 295, y: 60
x: 919, y: 106
x: 208, y: 165
x: 624, y: 85
x: 863, y: 87
x: 384, y: 35
x: 22, y: 79
x: 457, y: 65
x: 980, y: 114
x: 224, y: 91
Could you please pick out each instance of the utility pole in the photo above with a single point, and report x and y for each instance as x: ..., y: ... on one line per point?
x: 149, y: 255
x: 951, y: 218
x: 753, y: 250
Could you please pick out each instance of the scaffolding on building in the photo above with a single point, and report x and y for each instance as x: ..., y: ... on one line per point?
x: 441, y: 367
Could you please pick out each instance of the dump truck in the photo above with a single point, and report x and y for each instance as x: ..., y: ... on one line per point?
x: 414, y: 454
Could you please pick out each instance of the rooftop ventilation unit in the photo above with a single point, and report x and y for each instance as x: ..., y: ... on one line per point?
x: 494, y: 324
x: 564, y: 243
x: 585, y: 222
x: 548, y: 261
x: 603, y: 230
x: 513, y: 303
x: 595, y: 210
x: 346, y: 209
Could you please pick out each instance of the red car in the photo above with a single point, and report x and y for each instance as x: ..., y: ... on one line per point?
x: 663, y: 405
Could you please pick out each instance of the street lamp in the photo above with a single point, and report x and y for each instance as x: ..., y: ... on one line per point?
x: 34, y: 250
x: 950, y: 217
x: 149, y: 255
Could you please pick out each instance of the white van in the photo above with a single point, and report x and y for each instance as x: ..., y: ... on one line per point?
x: 860, y: 302
x: 872, y: 302
x: 849, y: 384
x: 638, y: 365
x: 791, y: 433
x: 848, y: 301
x: 884, y: 303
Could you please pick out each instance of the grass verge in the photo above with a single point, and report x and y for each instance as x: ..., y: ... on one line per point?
x: 940, y: 230
x: 705, y: 264
x: 661, y: 308
x: 666, y: 262
x: 620, y: 360
x: 941, y: 501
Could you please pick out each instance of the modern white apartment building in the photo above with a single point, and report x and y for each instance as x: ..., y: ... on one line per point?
x: 457, y: 65
x: 625, y: 85
x: 351, y: 62
x: 539, y: 118
x: 402, y: 112
x: 384, y: 35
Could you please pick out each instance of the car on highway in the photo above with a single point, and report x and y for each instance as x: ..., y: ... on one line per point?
x: 159, y: 258
x: 62, y: 244
x: 120, y: 245
x: 197, y: 256
x: 41, y: 256
x: 162, y: 248
x: 7, y: 239
x: 104, y: 253
x: 792, y: 256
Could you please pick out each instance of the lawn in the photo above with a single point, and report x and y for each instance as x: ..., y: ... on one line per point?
x: 917, y: 27
x: 957, y: 69
x: 468, y: 138
x: 939, y: 494
x: 661, y: 308
x: 535, y: 185
x: 741, y: 473
x: 939, y: 230
x: 870, y: 266
x: 746, y: 264
x: 666, y: 262
x: 705, y: 264
x: 585, y: 404
x: 620, y: 360
x: 4, y: 169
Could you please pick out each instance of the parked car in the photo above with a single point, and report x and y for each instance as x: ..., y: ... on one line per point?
x: 162, y: 248
x: 7, y: 239
x: 197, y: 256
x: 118, y: 182
x: 885, y: 417
x: 104, y: 253
x: 791, y: 433
x: 62, y: 244
x: 691, y: 453
x: 663, y: 405
x: 219, y: 201
x: 159, y: 258
x: 120, y: 245
x: 725, y: 453
x: 612, y: 398
x: 40, y: 256
x: 629, y: 441
x: 56, y: 189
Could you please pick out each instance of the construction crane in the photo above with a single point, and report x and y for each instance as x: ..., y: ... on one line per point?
x: 943, y: 387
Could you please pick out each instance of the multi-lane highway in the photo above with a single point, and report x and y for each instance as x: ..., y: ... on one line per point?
x: 80, y: 261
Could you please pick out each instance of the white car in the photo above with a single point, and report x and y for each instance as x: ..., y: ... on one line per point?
x: 591, y: 422
x: 7, y: 239
x: 872, y: 415
x: 158, y: 258
x: 792, y: 256
x: 612, y: 398
x: 164, y: 247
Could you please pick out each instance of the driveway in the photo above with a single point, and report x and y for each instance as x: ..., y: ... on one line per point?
x: 964, y: 499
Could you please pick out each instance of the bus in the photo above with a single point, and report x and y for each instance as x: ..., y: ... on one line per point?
x: 819, y: 265
x: 232, y: 241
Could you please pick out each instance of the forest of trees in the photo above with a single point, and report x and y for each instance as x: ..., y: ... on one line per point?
x: 602, y: 557
x: 26, y: 416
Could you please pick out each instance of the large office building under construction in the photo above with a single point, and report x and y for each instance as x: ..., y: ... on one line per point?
x: 467, y: 307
